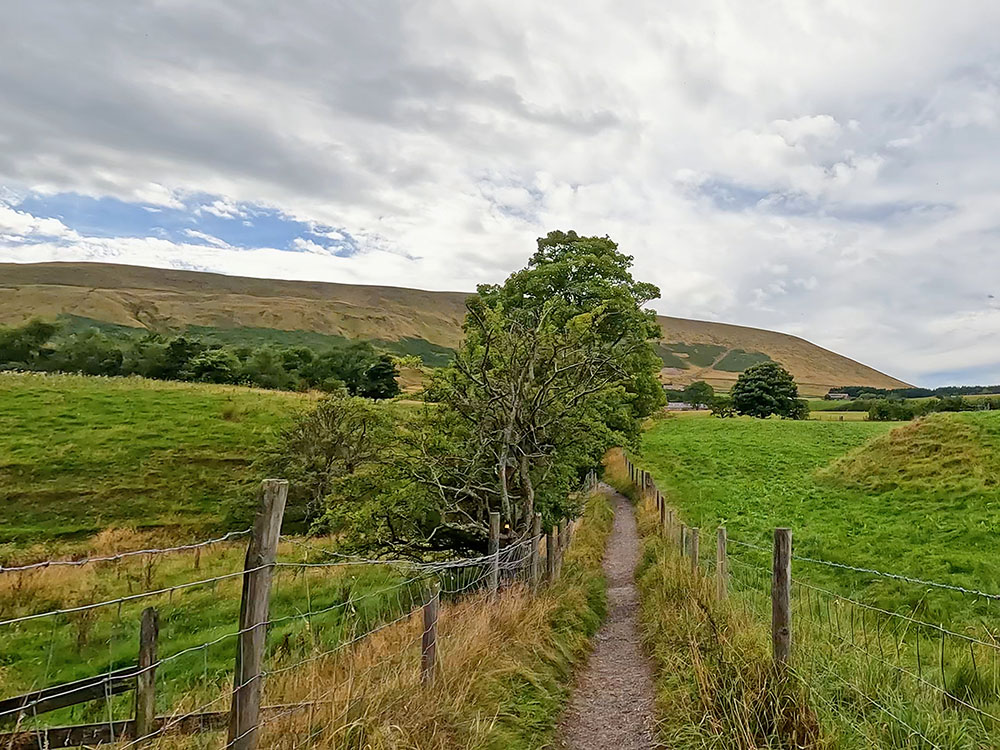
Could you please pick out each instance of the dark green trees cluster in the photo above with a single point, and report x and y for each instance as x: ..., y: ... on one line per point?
x: 768, y: 389
x: 41, y: 346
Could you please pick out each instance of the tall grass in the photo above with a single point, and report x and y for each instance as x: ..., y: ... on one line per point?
x: 857, y: 679
x: 502, y: 679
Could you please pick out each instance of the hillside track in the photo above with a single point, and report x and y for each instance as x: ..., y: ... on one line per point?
x: 611, y: 707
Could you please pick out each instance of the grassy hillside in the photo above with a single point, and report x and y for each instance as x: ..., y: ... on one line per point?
x: 407, y: 321
x: 920, y: 498
x: 80, y: 454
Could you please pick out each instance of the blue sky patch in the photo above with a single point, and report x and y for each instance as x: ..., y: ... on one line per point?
x: 202, y: 220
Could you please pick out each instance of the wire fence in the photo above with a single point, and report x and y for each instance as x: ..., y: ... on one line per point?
x: 333, y: 629
x: 878, y: 670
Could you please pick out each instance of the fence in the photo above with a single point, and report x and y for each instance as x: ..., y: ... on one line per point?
x: 348, y: 622
x: 926, y: 681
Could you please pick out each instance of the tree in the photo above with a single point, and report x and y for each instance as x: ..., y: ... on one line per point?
x: 338, y: 437
x: 21, y: 346
x: 380, y: 379
x: 699, y: 394
x: 213, y: 366
x: 556, y: 367
x: 768, y: 388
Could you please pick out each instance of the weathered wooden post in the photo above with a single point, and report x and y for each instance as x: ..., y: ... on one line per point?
x: 145, y: 684
x: 721, y: 564
x: 781, y: 588
x: 551, y: 543
x: 670, y: 526
x: 536, y: 540
x: 428, y: 641
x: 244, y: 716
x: 494, y: 553
x: 694, y: 550
x: 663, y: 513
x: 684, y: 539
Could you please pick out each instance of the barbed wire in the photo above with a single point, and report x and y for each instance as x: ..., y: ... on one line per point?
x: 878, y: 573
x: 123, y: 555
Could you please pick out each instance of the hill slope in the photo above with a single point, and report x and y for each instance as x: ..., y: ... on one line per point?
x: 168, y: 300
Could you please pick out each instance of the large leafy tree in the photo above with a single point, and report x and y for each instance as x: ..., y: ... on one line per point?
x: 555, y: 367
x: 765, y: 389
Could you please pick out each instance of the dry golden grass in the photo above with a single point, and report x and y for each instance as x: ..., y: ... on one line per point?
x: 503, y: 670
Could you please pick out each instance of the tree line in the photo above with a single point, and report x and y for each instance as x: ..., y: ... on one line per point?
x: 867, y: 393
x: 356, y: 368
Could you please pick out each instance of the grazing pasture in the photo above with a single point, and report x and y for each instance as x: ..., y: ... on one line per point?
x: 80, y: 454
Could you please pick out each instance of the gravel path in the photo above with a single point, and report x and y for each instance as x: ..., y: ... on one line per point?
x: 612, y: 703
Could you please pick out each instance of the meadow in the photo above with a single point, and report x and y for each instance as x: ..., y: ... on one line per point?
x: 80, y: 454
x: 877, y: 661
x: 918, y: 499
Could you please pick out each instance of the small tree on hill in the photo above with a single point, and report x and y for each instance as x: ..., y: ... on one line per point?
x: 768, y: 388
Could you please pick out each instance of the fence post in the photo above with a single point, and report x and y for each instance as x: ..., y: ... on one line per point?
x: 536, y: 536
x: 663, y: 513
x: 552, y: 553
x: 670, y: 526
x: 428, y: 641
x: 684, y: 539
x: 781, y: 610
x: 721, y: 564
x: 494, y: 553
x: 244, y: 716
x: 145, y: 684
x: 694, y: 550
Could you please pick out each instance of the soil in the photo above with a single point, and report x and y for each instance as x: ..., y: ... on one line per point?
x: 611, y: 707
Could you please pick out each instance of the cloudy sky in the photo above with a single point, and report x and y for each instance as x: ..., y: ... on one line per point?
x: 829, y: 169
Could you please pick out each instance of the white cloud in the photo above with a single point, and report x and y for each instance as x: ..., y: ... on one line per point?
x: 785, y: 165
x: 20, y: 225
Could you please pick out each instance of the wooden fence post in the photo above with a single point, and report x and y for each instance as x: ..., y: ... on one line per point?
x: 781, y: 609
x: 694, y: 550
x: 550, y: 555
x: 684, y: 539
x: 145, y: 684
x: 670, y: 526
x: 721, y: 564
x: 536, y: 536
x: 494, y: 553
x: 428, y: 641
x: 663, y: 513
x: 244, y: 716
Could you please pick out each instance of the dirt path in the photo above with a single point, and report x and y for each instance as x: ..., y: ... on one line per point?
x: 612, y: 703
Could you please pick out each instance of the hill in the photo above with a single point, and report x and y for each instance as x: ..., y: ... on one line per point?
x: 406, y: 321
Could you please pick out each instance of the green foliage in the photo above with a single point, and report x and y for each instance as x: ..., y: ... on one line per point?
x: 116, y: 350
x: 338, y: 437
x: 722, y: 406
x: 766, y: 389
x: 22, y: 347
x: 699, y: 393
x: 555, y: 368
x: 738, y: 360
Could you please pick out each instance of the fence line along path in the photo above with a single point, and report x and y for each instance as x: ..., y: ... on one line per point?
x: 335, y: 629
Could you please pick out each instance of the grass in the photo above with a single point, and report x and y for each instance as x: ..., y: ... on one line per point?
x: 857, y: 679
x: 81, y: 454
x: 502, y: 677
x: 755, y: 475
x: 917, y: 499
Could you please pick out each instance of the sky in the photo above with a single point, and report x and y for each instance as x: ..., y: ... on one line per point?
x: 826, y: 169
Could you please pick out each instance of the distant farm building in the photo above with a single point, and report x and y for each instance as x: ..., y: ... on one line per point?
x: 838, y: 397
x: 679, y: 406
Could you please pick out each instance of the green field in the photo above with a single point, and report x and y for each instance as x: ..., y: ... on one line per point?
x: 921, y: 501
x: 79, y: 454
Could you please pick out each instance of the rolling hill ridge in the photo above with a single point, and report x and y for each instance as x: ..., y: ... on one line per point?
x: 403, y: 320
